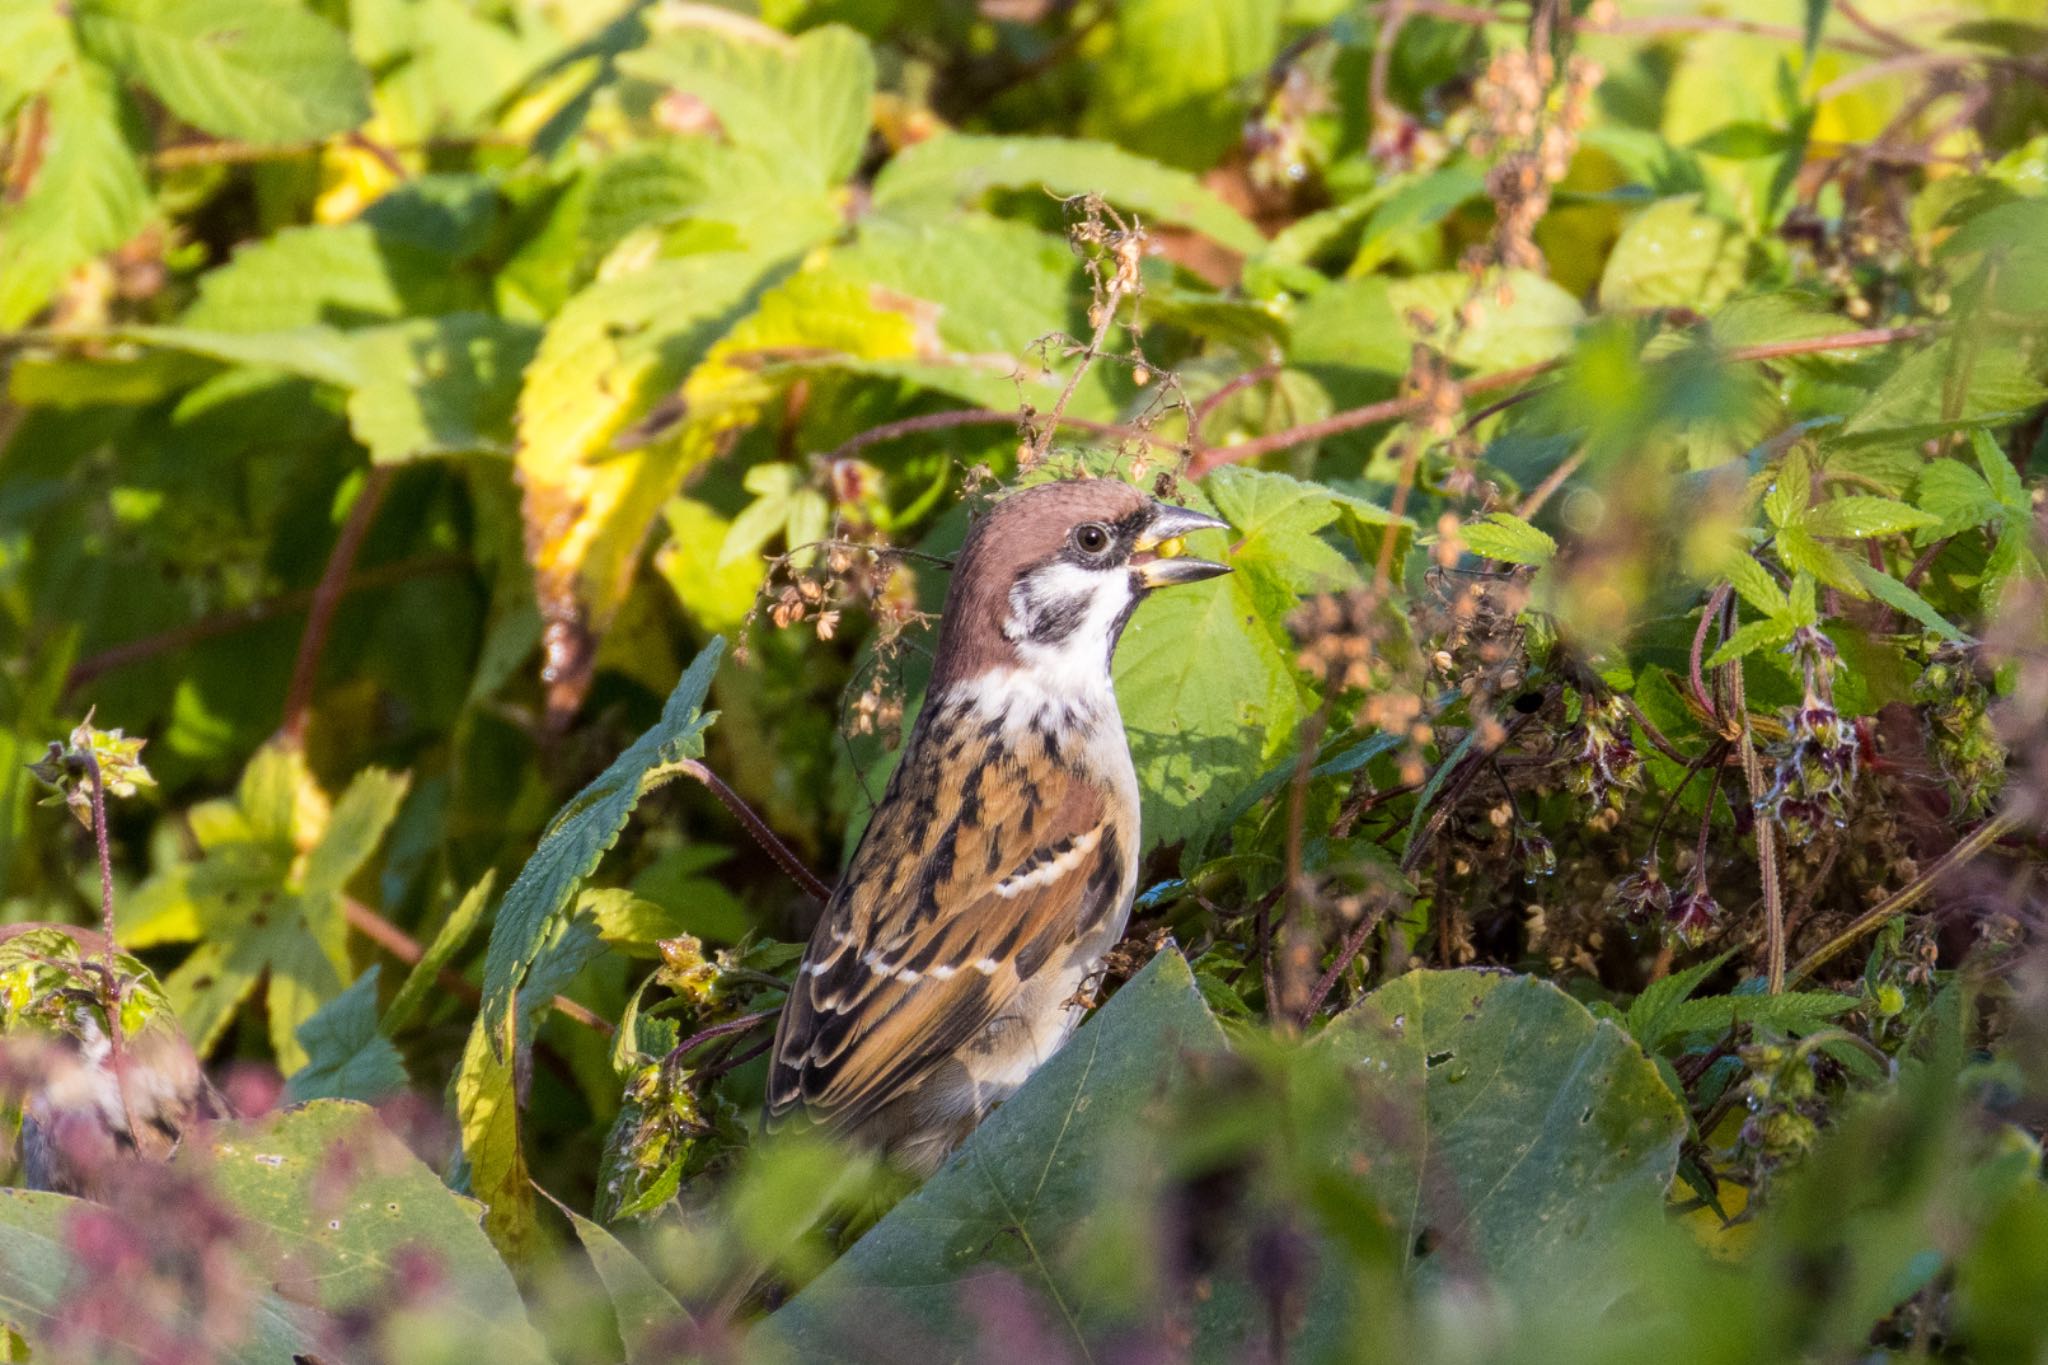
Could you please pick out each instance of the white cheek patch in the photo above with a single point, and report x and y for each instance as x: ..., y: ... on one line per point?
x: 1063, y: 620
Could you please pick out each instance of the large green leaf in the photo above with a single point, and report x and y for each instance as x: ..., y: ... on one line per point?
x: 803, y: 102
x: 1015, y: 1195
x: 1512, y: 1125
x: 439, y: 386
x: 44, y: 1288
x: 960, y: 167
x: 577, y: 838
x: 351, y: 1210
x: 258, y: 70
x: 1958, y: 381
x: 1178, y: 75
x: 1674, y: 255
x: 87, y: 195
x: 652, y: 1325
x: 1205, y: 674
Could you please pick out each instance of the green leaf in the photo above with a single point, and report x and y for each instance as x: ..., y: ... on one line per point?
x: 803, y: 102
x: 1205, y: 675
x: 1890, y: 591
x: 339, y: 1227
x: 1861, y: 516
x: 1926, y: 395
x: 1800, y: 551
x: 1649, y: 1013
x: 487, y: 1115
x: 1751, y: 637
x: 1673, y: 254
x: 1754, y: 582
x: 40, y: 1280
x: 265, y: 911
x: 1957, y: 498
x: 258, y: 70
x: 1535, y: 324
x: 439, y: 386
x: 1176, y: 79
x: 425, y: 977
x: 1708, y: 1020
x: 87, y: 195
x: 653, y: 1326
x: 1743, y: 141
x: 963, y: 167
x: 1018, y: 1191
x: 577, y: 838
x: 339, y: 276
x: 346, y: 1057
x: 1516, y: 1127
x: 1506, y: 537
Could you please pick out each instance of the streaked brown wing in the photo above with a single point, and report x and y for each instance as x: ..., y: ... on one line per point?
x: 977, y: 871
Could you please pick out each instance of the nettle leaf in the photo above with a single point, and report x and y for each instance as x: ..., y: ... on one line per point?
x: 40, y: 1289
x: 1754, y: 582
x: 1205, y: 674
x: 1673, y: 254
x: 86, y: 195
x: 1708, y: 1020
x: 1890, y: 591
x: 962, y: 167
x: 346, y: 1057
x: 1015, y: 1195
x: 1535, y: 323
x: 1506, y: 537
x: 1516, y: 1125
x: 1751, y: 637
x: 804, y: 101
x: 1649, y: 1012
x: 265, y: 899
x: 343, y: 1199
x: 583, y: 830
x: 1925, y: 396
x: 1802, y: 552
x: 259, y: 70
x: 439, y: 386
x: 1861, y: 516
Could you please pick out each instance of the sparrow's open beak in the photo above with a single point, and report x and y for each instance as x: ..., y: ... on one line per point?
x: 1158, y: 560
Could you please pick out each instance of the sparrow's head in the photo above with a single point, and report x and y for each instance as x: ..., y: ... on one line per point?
x: 1048, y: 578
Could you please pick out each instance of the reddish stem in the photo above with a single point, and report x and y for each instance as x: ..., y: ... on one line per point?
x: 327, y: 595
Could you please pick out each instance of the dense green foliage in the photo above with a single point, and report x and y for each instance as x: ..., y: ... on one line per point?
x: 492, y: 449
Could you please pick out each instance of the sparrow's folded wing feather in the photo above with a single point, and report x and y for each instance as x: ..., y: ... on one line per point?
x: 978, y: 870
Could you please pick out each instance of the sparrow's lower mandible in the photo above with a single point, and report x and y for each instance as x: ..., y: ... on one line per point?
x: 999, y: 867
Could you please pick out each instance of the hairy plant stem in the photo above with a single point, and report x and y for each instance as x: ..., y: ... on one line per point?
x: 407, y: 949
x: 1766, y: 833
x: 784, y: 858
x: 111, y: 990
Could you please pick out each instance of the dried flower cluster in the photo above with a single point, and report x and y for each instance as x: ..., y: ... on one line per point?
x: 1531, y: 124
x: 1357, y: 642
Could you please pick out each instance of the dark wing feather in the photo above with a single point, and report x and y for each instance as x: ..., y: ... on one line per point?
x: 977, y: 869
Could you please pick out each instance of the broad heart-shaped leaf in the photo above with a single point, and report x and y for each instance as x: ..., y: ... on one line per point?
x: 1013, y: 1197
x: 356, y: 1217
x: 41, y: 1285
x: 583, y: 830
x: 258, y: 70
x: 1506, y: 537
x: 1514, y: 1126
x: 1673, y: 254
x: 1953, y: 383
x: 86, y: 196
x: 1534, y: 323
x: 960, y: 167
x: 346, y: 1057
x: 1178, y: 75
x: 805, y: 102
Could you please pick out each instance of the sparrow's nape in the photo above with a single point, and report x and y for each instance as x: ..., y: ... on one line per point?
x: 1158, y: 559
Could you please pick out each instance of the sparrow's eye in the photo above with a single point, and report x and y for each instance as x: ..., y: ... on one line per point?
x: 1091, y: 538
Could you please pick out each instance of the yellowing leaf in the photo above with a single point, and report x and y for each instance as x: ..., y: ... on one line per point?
x: 1674, y: 255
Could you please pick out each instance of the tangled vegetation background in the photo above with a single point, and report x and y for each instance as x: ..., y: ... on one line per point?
x: 1594, y: 888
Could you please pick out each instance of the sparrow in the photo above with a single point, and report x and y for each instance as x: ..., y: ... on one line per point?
x: 999, y: 866
x: 83, y: 1111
